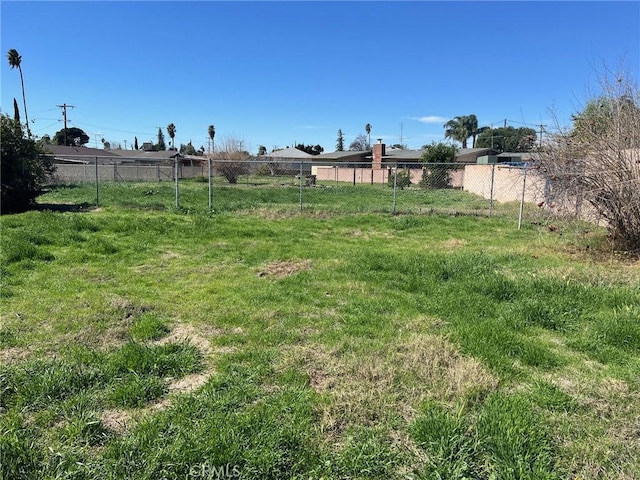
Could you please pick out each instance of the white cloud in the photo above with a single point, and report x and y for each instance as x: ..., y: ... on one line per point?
x: 431, y: 119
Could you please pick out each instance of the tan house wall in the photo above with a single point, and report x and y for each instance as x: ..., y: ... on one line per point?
x: 374, y: 176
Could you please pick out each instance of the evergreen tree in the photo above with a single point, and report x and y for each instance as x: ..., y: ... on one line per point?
x: 160, y: 146
x: 16, y: 111
x: 340, y: 141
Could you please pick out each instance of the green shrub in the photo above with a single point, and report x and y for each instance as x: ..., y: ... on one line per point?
x: 436, y: 176
x: 23, y: 167
x: 400, y: 179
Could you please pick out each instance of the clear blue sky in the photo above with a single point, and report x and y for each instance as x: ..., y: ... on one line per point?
x: 275, y: 73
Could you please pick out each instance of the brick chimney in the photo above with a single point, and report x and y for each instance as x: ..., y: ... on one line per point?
x: 378, y: 153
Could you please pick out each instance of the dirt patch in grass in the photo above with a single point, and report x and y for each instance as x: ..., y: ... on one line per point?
x: 284, y: 268
x: 117, y: 420
x: 121, y: 420
x: 188, y: 333
x: 190, y: 383
x: 14, y: 354
x: 453, y: 244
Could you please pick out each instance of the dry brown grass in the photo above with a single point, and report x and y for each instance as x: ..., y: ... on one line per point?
x: 604, y: 407
x: 284, y: 268
x: 386, y: 387
x: 14, y: 354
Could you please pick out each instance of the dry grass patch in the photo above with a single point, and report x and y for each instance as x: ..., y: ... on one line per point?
x: 14, y: 354
x: 188, y: 333
x: 284, y: 268
x: 604, y: 407
x: 386, y: 387
x: 453, y: 244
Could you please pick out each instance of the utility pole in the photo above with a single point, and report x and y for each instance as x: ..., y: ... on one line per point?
x: 125, y: 144
x: 541, y: 130
x: 96, y: 135
x: 64, y: 107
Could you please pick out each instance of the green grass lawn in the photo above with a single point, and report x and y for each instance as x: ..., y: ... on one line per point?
x: 265, y: 192
x: 140, y: 341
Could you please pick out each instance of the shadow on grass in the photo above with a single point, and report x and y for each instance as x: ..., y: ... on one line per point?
x: 64, y: 207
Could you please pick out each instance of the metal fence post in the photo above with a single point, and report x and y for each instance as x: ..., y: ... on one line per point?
x: 210, y: 187
x: 97, y: 185
x: 176, y: 181
x: 493, y: 171
x: 300, y: 186
x: 395, y: 188
x: 524, y: 185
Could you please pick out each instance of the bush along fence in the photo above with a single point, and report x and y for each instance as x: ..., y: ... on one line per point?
x: 227, y: 184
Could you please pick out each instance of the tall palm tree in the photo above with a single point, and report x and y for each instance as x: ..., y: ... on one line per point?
x: 367, y: 128
x: 171, y: 131
x: 458, y: 129
x: 473, y: 129
x: 212, y: 133
x: 15, y: 61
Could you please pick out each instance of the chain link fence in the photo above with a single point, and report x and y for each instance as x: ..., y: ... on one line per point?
x: 289, y: 185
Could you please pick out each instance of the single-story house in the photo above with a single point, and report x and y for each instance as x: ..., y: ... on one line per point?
x: 88, y: 155
x: 79, y: 155
x: 287, y: 161
x: 508, y: 157
x: 380, y: 156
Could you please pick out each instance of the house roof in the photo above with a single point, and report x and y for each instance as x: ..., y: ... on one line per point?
x: 83, y: 155
x: 145, y: 154
x: 76, y: 151
x: 288, y: 153
x: 402, y: 154
x: 462, y: 155
x: 353, y: 155
x: 116, y: 156
x: 517, y: 154
x: 470, y: 155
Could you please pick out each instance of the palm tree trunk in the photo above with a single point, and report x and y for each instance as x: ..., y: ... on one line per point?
x: 24, y: 101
